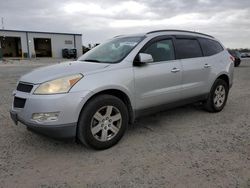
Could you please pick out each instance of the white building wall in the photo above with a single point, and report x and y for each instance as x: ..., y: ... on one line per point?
x: 22, y: 35
x: 79, y: 45
x: 57, y: 41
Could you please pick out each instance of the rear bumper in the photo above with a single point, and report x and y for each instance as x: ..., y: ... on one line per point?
x: 55, y: 131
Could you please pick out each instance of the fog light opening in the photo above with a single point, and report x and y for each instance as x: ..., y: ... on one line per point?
x: 45, y: 117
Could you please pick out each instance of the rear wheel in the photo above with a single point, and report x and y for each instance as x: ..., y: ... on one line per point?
x: 102, y: 122
x: 218, y: 96
x: 236, y: 64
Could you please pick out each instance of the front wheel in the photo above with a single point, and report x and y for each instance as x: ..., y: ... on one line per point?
x: 218, y: 96
x: 102, y: 122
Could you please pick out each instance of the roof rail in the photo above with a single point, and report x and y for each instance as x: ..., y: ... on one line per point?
x: 156, y: 31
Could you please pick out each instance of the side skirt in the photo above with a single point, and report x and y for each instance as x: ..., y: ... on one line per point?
x: 159, y: 108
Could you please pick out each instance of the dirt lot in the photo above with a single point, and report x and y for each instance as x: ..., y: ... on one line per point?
x: 184, y: 147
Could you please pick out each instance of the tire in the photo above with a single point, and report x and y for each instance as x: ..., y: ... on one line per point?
x: 102, y: 122
x: 216, y: 102
x: 236, y: 64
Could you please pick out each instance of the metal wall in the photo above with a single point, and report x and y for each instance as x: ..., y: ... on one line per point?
x: 58, y: 41
x: 17, y: 34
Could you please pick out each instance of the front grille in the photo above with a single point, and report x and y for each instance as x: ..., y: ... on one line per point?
x: 19, y: 102
x: 24, y: 87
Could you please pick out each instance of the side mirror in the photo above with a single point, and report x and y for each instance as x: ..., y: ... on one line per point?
x: 145, y: 58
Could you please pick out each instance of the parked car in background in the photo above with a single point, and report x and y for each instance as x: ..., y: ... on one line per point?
x: 69, y: 53
x: 94, y: 98
x: 245, y: 55
x: 237, y: 57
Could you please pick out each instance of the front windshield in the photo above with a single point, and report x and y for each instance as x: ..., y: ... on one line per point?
x: 112, y: 51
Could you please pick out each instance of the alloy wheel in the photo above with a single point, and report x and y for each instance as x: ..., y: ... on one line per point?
x: 106, y: 123
x: 219, y: 96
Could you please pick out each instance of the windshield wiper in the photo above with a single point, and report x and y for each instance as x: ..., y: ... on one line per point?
x: 95, y: 61
x: 91, y: 60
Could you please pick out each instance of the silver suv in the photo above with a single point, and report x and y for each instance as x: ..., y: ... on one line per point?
x: 94, y: 98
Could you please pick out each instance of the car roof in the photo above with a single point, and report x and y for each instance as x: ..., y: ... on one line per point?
x: 168, y: 32
x: 178, y: 32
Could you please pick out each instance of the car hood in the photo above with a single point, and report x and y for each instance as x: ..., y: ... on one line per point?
x: 47, y: 73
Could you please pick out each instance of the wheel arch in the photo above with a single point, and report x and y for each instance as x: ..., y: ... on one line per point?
x: 117, y: 93
x: 209, y: 103
x: 224, y: 77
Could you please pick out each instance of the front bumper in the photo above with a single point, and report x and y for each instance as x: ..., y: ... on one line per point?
x: 68, y: 105
x: 55, y: 131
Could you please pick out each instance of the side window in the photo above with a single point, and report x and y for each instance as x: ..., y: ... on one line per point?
x: 161, y: 50
x: 210, y: 47
x: 187, y: 48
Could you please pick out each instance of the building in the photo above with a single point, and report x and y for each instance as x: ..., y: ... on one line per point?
x: 25, y: 44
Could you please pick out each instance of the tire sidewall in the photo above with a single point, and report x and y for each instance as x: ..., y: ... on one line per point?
x: 212, y: 93
x: 236, y: 64
x: 84, y: 124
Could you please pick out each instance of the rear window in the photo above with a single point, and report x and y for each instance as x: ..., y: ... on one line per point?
x: 187, y: 48
x: 210, y: 47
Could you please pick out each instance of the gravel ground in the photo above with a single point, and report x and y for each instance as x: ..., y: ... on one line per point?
x: 183, y: 147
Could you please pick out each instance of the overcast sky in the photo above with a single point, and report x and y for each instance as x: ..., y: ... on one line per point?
x: 98, y: 20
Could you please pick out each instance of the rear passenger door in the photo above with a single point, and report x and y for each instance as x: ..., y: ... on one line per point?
x: 195, y: 70
x: 212, y: 56
x: 158, y: 82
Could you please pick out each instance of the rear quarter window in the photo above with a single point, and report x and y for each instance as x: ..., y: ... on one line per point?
x: 210, y: 47
x: 187, y: 48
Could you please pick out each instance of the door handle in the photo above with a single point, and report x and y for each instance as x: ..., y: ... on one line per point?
x: 174, y: 70
x: 207, y: 65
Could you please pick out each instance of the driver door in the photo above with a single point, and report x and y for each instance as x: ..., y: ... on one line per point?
x: 158, y: 82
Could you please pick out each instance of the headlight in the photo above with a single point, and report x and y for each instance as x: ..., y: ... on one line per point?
x: 60, y: 85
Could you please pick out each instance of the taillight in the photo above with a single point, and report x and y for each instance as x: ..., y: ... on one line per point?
x: 232, y: 58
